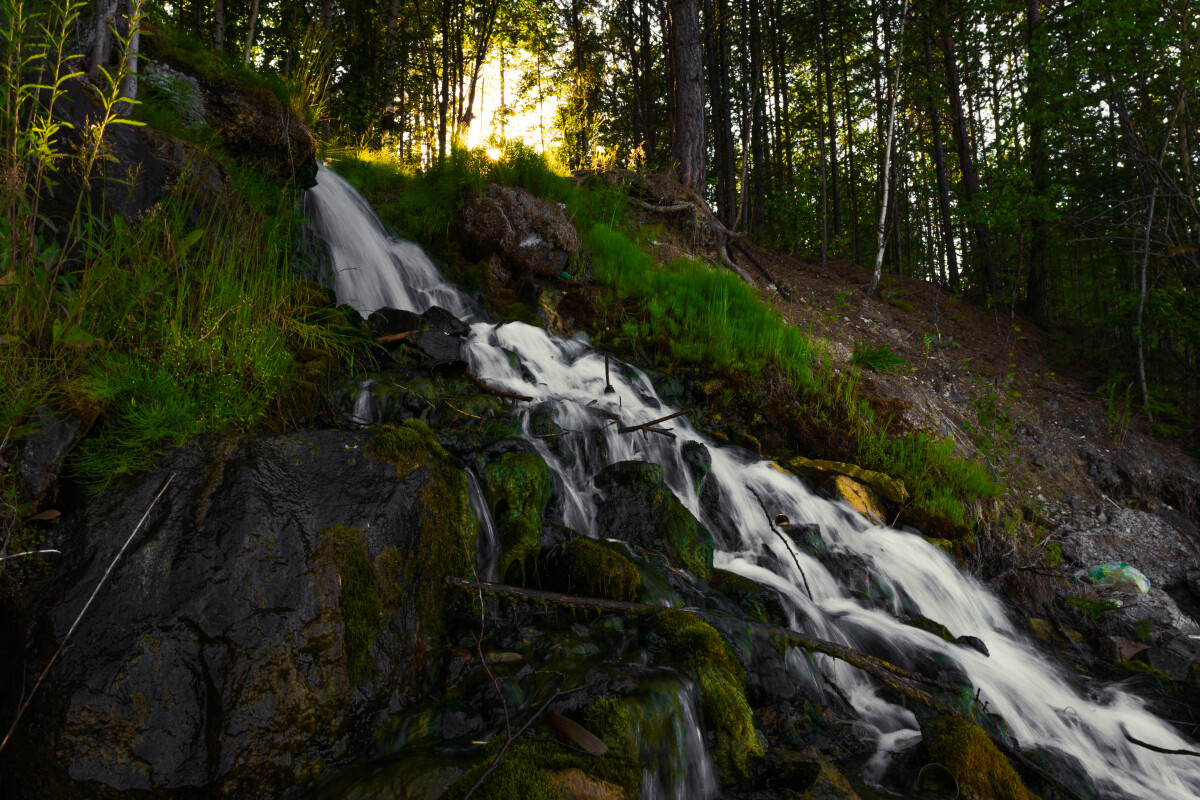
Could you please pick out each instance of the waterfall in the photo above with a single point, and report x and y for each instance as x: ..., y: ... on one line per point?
x: 1043, y: 706
x: 370, y: 268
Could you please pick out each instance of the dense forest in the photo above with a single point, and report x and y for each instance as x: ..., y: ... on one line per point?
x: 598, y: 399
x: 1038, y: 157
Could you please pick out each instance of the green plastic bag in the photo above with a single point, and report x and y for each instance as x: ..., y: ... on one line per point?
x: 1115, y: 576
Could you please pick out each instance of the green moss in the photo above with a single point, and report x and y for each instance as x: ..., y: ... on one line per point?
x: 597, y: 570
x: 358, y: 597
x: 704, y: 655
x: 977, y: 764
x: 1165, y: 681
x: 517, y: 488
x: 405, y: 447
x: 611, y: 720
x: 933, y: 626
x: 526, y: 772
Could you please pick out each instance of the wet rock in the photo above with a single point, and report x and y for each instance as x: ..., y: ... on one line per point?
x: 239, y: 644
x: 531, y: 236
x: 891, y: 489
x: 973, y: 642
x: 977, y: 764
x: 782, y: 769
x: 44, y: 451
x: 748, y: 597
x: 437, y: 334
x: 639, y: 508
x: 517, y: 487
x: 858, y: 496
x: 933, y: 626
x: 1176, y: 657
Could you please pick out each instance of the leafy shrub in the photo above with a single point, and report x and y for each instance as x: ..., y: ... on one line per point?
x: 878, y: 358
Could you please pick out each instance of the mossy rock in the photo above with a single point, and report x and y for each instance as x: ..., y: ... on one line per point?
x: 704, y: 655
x: 891, y: 489
x: 639, y: 508
x: 405, y: 447
x: 517, y: 487
x: 753, y: 598
x: 598, y: 569
x: 933, y: 626
x: 982, y: 771
x: 939, y: 521
x: 535, y: 771
x: 860, y: 497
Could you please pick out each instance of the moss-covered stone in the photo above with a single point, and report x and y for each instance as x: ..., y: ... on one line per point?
x: 535, y: 771
x: 597, y: 569
x: 753, y: 598
x: 860, y: 497
x: 982, y: 771
x: 405, y: 447
x: 517, y: 487
x: 610, y: 719
x: 641, y: 509
x: 933, y: 626
x: 703, y: 654
x: 892, y: 489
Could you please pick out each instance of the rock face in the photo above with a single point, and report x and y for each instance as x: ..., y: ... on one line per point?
x: 256, y: 628
x: 639, y: 508
x: 530, y: 236
x: 257, y: 129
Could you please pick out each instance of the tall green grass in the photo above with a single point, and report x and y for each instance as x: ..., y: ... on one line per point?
x: 185, y: 321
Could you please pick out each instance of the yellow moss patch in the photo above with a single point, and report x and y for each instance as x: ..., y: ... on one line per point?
x: 982, y: 771
x: 861, y: 498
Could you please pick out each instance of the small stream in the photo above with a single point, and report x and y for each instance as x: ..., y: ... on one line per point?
x: 1044, y: 706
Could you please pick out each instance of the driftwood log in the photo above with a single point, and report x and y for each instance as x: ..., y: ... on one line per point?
x: 895, y: 678
x: 498, y: 392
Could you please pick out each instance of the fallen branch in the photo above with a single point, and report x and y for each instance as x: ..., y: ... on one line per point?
x: 496, y: 761
x: 86, y: 606
x: 28, y: 553
x: 778, y: 286
x: 498, y: 392
x: 395, y: 337
x: 895, y: 678
x: 652, y: 423
x: 786, y: 543
x: 1156, y: 748
x: 665, y: 209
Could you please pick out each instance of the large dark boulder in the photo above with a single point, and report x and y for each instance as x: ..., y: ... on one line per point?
x: 529, y: 235
x: 639, y: 508
x: 259, y: 130
x: 273, y: 610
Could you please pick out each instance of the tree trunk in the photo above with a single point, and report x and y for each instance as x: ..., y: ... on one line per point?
x: 849, y: 126
x: 250, y: 34
x: 887, y: 154
x: 482, y: 44
x: 824, y: 194
x: 101, y: 27
x: 129, y: 79
x: 970, y: 177
x: 716, y: 36
x: 1141, y: 352
x: 688, y: 69
x: 219, y: 25
x: 1036, y: 297
x: 939, y: 162
x: 835, y: 191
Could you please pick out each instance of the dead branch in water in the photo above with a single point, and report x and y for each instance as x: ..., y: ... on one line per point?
x: 652, y: 424
x: 498, y: 392
x: 1156, y: 748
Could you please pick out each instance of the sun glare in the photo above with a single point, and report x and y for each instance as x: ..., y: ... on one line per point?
x: 526, y: 119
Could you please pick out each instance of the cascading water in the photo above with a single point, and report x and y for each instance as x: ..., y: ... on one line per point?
x: 1034, y: 695
x: 372, y: 269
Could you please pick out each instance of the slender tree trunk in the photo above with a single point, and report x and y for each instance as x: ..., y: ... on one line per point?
x: 1141, y: 352
x: 198, y: 18
x: 939, y: 163
x: 219, y: 25
x: 824, y: 194
x: 715, y: 40
x: 970, y: 176
x: 129, y: 82
x: 1039, y: 238
x: 688, y: 100
x: 483, y: 43
x: 100, y: 26
x: 444, y: 98
x: 835, y: 189
x: 250, y: 34
x: 290, y: 57
x: 849, y: 127
x: 887, y: 153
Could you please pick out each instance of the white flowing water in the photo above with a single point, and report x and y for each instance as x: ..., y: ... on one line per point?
x: 1043, y: 706
x: 372, y: 269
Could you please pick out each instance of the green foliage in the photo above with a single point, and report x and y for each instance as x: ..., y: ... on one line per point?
x: 527, y: 768
x: 1093, y: 609
x: 1144, y: 629
x: 878, y: 358
x: 176, y: 47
